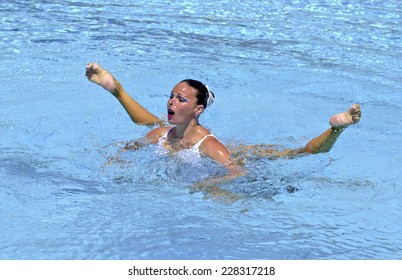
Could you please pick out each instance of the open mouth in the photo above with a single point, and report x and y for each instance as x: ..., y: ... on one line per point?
x: 170, y: 113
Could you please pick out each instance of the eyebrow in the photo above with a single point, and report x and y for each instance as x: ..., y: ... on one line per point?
x: 180, y: 95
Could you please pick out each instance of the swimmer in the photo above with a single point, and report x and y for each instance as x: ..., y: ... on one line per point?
x: 186, y: 103
x: 188, y: 100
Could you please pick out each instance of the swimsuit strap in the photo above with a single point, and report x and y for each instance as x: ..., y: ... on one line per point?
x: 196, y: 146
x: 164, y: 136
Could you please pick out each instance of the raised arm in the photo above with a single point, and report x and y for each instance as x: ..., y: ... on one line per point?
x: 138, y: 114
x: 320, y: 144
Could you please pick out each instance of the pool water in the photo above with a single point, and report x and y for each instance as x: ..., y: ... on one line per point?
x: 279, y: 70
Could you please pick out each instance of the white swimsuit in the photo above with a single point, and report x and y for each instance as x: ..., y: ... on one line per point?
x: 186, y: 154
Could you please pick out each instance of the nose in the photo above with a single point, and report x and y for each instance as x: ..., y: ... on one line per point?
x: 170, y: 101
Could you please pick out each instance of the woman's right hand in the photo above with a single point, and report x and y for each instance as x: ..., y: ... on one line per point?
x: 96, y: 74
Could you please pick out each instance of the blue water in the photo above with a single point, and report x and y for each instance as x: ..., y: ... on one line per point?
x: 279, y: 70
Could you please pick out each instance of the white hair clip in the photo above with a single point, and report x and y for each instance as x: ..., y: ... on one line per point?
x: 211, y: 97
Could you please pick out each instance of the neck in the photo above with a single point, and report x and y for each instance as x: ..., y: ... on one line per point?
x: 184, y: 131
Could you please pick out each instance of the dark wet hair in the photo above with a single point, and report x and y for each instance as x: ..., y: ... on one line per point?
x: 203, y: 93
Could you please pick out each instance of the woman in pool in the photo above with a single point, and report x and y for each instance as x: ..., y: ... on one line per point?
x: 187, y: 102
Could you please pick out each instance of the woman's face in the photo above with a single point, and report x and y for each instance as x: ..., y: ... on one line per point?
x: 182, y: 104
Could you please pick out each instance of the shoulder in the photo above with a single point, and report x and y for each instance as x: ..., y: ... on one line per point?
x: 214, y: 149
x: 154, y: 135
